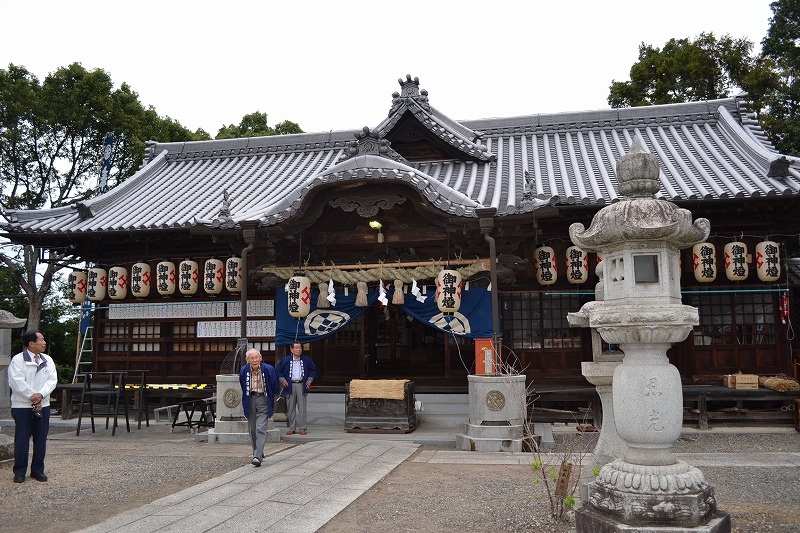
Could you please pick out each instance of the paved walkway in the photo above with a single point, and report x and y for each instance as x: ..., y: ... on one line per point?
x: 326, y: 475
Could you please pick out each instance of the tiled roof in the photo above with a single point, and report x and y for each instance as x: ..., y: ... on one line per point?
x: 708, y: 150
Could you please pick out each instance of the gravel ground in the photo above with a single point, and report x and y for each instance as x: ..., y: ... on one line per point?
x: 96, y: 476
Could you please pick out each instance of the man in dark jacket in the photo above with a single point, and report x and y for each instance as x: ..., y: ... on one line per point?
x: 259, y: 386
x: 296, y: 372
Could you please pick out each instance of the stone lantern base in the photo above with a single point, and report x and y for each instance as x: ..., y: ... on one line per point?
x: 589, y: 519
x: 628, y: 497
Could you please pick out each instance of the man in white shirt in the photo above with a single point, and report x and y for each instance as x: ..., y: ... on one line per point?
x: 32, y: 378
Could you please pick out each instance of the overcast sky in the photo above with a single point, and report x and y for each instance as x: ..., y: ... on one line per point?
x: 333, y: 65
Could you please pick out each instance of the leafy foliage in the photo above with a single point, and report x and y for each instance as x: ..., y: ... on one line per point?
x: 255, y: 125
x: 782, y: 46
x: 687, y: 70
x: 51, y: 140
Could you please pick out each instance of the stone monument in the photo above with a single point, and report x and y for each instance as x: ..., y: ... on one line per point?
x: 230, y: 425
x: 7, y: 323
x: 497, y: 412
x: 640, y: 239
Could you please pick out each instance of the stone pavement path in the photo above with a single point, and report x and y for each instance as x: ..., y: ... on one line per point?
x: 295, y: 491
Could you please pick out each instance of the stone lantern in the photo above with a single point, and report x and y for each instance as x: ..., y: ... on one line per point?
x: 640, y: 239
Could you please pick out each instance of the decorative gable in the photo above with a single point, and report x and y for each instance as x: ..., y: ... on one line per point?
x: 420, y: 133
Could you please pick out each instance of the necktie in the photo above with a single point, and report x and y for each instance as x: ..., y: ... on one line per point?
x: 37, y: 359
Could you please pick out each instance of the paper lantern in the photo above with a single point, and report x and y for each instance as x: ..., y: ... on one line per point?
x: 213, y: 276
x: 188, y: 276
x: 768, y: 261
x: 166, y: 277
x: 140, y: 280
x: 448, y: 290
x: 736, y: 261
x: 117, y: 282
x: 299, y: 296
x: 233, y: 274
x: 577, y: 265
x: 96, y: 281
x: 545, y: 265
x: 704, y: 260
x: 76, y: 286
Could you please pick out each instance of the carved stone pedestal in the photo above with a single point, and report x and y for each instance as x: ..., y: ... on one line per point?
x: 496, y: 414
x: 230, y: 425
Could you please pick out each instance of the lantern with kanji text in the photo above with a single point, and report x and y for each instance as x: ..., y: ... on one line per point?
x: 188, y: 276
x: 76, y: 286
x: 768, y: 261
x: 117, y: 283
x: 233, y: 274
x: 96, y: 281
x: 140, y: 280
x: 448, y: 290
x: 166, y: 277
x: 704, y: 261
x: 577, y: 265
x: 213, y: 276
x: 736, y: 267
x: 298, y: 292
x: 545, y: 265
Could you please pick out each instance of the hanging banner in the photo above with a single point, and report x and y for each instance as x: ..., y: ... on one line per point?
x: 473, y: 320
x: 577, y: 265
x: 704, y: 260
x: 768, y: 261
x: 736, y: 261
x: 545, y: 265
x: 105, y: 166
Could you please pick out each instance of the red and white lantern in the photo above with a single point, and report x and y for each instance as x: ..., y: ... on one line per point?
x: 188, y: 277
x: 704, y: 261
x: 233, y: 274
x: 117, y: 283
x: 213, y: 276
x: 96, y: 281
x: 166, y: 278
x: 545, y: 265
x: 140, y: 280
x: 577, y: 265
x: 76, y: 286
x: 299, y: 296
x: 768, y: 261
x: 448, y: 291
x: 736, y: 267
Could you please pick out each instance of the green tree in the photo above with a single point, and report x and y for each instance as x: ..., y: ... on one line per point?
x: 782, y: 46
x: 686, y: 70
x: 255, y: 125
x: 51, y: 139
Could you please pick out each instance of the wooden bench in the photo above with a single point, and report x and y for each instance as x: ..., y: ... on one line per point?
x: 704, y: 403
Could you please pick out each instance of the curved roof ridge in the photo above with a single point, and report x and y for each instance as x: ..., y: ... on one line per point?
x: 764, y: 157
x: 359, y: 167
